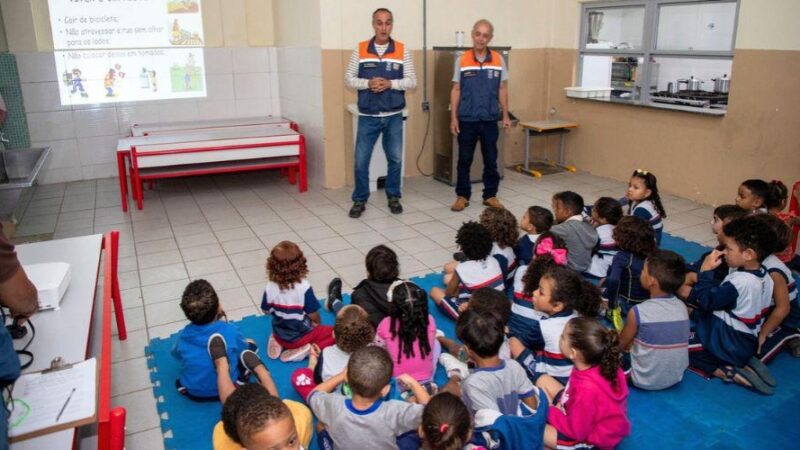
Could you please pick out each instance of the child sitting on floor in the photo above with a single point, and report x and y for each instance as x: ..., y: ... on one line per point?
x: 198, y: 379
x: 252, y: 415
x: 579, y: 235
x: 621, y: 287
x: 494, y: 383
x: 462, y: 278
x: 657, y: 331
x: 551, y: 253
x: 591, y: 410
x: 370, y: 294
x: 534, y: 222
x: 483, y: 301
x: 562, y: 294
x: 409, y: 333
x: 728, y: 317
x: 351, y: 331
x: 290, y: 300
x: 606, y: 214
x: 723, y: 215
x: 778, y: 199
x: 446, y: 424
x: 502, y: 226
x: 645, y: 202
x: 752, y: 195
x: 365, y: 420
x: 782, y: 326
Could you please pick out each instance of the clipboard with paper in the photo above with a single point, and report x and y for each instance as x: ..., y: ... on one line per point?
x: 54, y: 399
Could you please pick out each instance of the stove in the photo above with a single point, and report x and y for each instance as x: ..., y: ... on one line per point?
x: 701, y: 99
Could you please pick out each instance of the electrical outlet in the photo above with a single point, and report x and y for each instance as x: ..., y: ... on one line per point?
x: 426, y: 106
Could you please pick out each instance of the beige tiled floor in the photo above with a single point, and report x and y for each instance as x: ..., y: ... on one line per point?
x: 220, y: 229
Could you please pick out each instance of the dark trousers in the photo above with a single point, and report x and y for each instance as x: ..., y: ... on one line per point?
x: 487, y: 133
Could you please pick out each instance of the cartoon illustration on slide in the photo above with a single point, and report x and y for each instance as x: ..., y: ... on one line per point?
x: 144, y: 79
x: 182, y: 6
x: 187, y: 77
x: 76, y: 81
x: 153, y: 80
x: 111, y: 78
x: 180, y: 36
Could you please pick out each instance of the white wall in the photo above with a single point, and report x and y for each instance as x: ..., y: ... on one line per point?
x: 242, y: 82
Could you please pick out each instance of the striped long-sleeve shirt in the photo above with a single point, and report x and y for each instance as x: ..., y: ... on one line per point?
x: 409, y: 80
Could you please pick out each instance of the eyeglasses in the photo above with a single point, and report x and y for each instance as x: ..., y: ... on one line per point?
x: 642, y: 172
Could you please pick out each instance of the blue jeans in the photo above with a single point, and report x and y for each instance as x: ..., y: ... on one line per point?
x: 468, y: 137
x: 368, y: 130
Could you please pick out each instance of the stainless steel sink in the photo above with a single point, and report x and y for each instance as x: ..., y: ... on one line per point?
x: 18, y: 171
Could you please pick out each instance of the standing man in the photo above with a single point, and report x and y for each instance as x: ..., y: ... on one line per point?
x: 18, y: 294
x: 478, y: 97
x: 381, y: 70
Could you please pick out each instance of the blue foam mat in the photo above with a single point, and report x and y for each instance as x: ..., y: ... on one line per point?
x: 696, y: 414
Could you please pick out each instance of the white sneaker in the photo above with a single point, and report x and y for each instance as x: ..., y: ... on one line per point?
x: 296, y: 354
x: 274, y: 349
x: 453, y: 367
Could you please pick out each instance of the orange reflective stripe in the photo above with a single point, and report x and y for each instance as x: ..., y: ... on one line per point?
x: 398, y: 53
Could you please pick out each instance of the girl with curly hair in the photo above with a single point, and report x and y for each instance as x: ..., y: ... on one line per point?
x: 636, y: 240
x: 552, y: 253
x: 561, y: 294
x: 477, y: 269
x: 591, y: 410
x: 409, y: 333
x: 294, y: 308
x: 502, y: 226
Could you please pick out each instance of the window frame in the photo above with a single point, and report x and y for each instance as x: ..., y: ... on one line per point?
x: 652, y: 10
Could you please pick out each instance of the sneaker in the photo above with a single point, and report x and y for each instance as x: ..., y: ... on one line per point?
x: 274, y: 349
x: 394, y: 205
x: 493, y: 202
x: 296, y: 354
x: 439, y: 333
x: 460, y: 204
x: 357, y: 209
x: 334, y: 293
x: 217, y: 347
x: 453, y: 367
x: 250, y: 361
x: 459, y: 256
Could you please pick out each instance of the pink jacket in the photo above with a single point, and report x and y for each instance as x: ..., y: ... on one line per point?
x: 589, y: 410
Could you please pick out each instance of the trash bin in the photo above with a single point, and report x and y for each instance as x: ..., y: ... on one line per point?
x: 377, y: 164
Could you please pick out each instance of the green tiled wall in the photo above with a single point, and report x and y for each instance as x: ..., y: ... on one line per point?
x: 15, y: 127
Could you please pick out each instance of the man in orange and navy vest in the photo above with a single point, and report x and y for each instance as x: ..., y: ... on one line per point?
x: 478, y: 99
x: 381, y: 70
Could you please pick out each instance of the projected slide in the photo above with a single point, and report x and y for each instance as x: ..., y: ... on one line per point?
x: 128, y: 50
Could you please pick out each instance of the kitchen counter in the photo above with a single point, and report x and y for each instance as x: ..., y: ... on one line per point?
x: 704, y: 111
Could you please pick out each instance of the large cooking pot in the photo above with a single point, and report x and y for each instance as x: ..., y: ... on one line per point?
x: 692, y: 84
x: 722, y: 85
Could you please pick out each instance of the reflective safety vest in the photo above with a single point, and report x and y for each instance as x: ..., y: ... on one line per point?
x: 389, y: 66
x: 480, y: 87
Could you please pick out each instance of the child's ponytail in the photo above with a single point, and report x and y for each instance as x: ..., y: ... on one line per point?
x: 446, y: 423
x: 598, y: 345
x: 610, y: 358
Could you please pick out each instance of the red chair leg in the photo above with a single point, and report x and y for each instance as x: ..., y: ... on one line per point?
x: 115, y: 294
x: 123, y: 181
x: 117, y: 435
x: 292, y: 175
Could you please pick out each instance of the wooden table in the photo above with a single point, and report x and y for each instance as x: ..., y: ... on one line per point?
x: 79, y: 329
x: 540, y: 128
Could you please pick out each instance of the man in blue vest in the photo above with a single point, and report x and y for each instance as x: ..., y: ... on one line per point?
x: 478, y: 99
x: 381, y: 70
x: 18, y: 294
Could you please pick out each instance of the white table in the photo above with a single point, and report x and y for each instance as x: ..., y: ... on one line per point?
x: 143, y: 129
x: 66, y: 331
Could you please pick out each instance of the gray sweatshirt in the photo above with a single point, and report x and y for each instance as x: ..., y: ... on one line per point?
x: 581, y: 239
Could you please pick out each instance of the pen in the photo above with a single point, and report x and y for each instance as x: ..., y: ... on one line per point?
x: 65, y: 404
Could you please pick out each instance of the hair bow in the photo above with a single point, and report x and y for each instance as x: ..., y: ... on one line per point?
x: 546, y: 247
